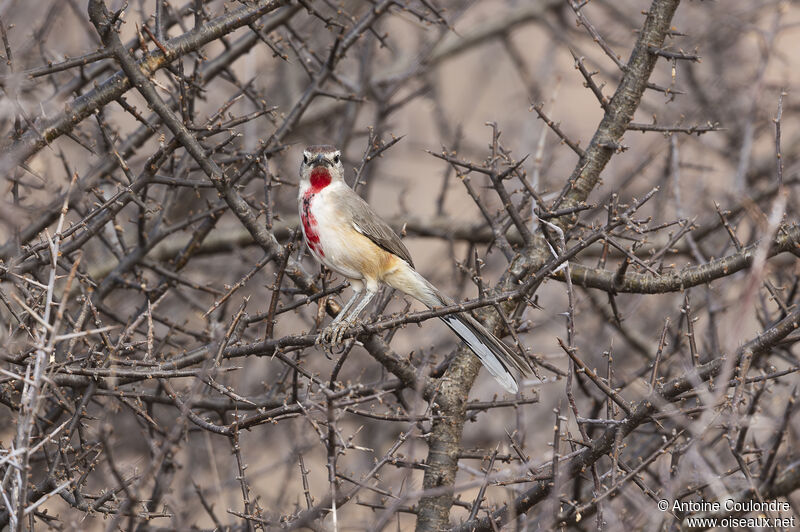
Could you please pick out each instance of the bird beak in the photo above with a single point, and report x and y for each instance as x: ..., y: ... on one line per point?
x: 319, y: 160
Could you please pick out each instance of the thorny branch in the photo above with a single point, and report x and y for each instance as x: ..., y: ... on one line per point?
x: 159, y: 315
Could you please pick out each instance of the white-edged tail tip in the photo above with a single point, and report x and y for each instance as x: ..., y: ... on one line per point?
x: 489, y: 359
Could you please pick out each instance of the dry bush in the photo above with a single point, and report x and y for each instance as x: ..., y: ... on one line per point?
x: 159, y: 308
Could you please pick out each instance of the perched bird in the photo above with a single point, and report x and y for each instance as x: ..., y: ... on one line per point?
x: 345, y: 234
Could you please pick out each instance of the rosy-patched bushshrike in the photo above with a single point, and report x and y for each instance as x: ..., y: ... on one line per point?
x: 345, y: 234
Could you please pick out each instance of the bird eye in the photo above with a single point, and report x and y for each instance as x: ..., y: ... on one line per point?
x: 305, y: 159
x: 336, y: 159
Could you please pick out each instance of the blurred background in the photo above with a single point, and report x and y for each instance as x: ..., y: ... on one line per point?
x: 160, y: 282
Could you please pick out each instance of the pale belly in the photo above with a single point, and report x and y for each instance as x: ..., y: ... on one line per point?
x: 326, y: 236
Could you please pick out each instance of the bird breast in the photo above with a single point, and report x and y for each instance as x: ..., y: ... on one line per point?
x: 308, y: 219
x: 334, y: 241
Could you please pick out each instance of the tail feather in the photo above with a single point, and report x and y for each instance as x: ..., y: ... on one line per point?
x: 485, y: 349
x: 495, y: 355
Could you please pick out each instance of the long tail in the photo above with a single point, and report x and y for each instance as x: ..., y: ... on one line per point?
x: 495, y: 355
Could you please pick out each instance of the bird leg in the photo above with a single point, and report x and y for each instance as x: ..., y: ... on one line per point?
x: 326, y: 334
x: 334, y: 332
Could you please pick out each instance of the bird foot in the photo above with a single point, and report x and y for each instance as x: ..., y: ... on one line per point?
x: 332, y: 335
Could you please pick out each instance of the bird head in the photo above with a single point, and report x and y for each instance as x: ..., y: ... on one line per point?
x: 321, y: 166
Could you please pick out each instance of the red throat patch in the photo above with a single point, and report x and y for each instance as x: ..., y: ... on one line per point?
x: 320, y: 178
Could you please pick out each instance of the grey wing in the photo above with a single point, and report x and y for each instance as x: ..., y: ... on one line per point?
x: 367, y: 222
